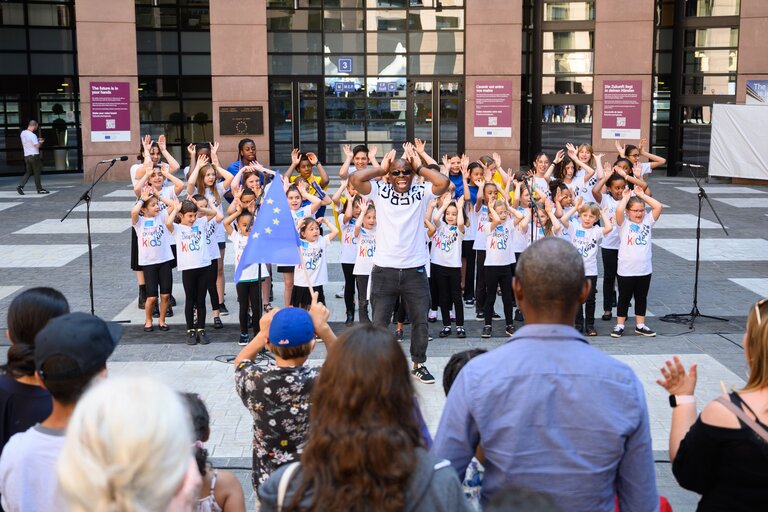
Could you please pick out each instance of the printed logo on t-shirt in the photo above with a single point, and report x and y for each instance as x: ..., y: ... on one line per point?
x: 348, y: 237
x: 482, y: 218
x: 366, y: 246
x: 499, y: 238
x: 446, y: 241
x: 151, y: 235
x: 210, y: 231
x: 190, y: 241
x: 312, y: 255
x: 414, y: 194
x: 638, y: 234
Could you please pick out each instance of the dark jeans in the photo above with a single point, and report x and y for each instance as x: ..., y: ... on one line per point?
x: 362, y: 293
x: 589, y: 307
x: 496, y: 277
x: 349, y: 286
x: 389, y: 283
x: 195, y: 281
x: 480, y: 286
x: 468, y: 255
x: 633, y: 286
x: 448, y: 281
x: 248, y: 296
x: 610, y: 262
x: 33, y: 165
x: 213, y: 293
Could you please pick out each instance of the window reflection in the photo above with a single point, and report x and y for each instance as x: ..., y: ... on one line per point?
x: 569, y: 11
x: 567, y: 114
x: 712, y: 7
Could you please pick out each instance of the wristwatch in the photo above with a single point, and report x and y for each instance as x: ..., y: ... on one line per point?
x: 419, y: 168
x: 675, y: 400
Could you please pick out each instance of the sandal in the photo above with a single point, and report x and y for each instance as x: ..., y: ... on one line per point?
x: 164, y: 328
x: 149, y: 328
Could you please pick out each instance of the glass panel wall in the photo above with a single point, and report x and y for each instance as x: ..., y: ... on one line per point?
x: 38, y: 81
x: 173, y: 45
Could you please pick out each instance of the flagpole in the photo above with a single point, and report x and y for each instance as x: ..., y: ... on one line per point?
x: 306, y: 274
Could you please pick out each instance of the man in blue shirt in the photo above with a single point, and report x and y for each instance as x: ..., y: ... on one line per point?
x: 550, y: 412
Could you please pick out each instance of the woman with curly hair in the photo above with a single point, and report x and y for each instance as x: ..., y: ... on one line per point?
x: 364, y: 450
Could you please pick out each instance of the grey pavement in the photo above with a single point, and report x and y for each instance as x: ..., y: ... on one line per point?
x: 40, y: 251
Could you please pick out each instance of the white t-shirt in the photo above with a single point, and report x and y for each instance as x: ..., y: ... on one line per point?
x: 586, y: 241
x: 446, y: 246
x: 366, y: 249
x: 170, y: 194
x: 154, y: 246
x: 498, y: 249
x: 28, y: 141
x: 190, y: 245
x: 400, y: 229
x: 611, y: 240
x: 577, y: 187
x: 251, y: 273
x: 520, y: 241
x: 348, y: 241
x: 542, y: 185
x: 28, y: 479
x: 301, y: 213
x: 211, y: 243
x: 645, y: 168
x: 481, y: 219
x: 314, y: 255
x: 635, y: 249
x: 469, y: 227
x: 221, y: 233
x: 134, y: 169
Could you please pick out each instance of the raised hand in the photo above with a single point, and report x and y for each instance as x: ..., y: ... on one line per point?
x: 626, y: 193
x: 312, y: 158
x: 295, y: 157
x: 215, y: 153
x: 420, y: 145
x: 388, y: 158
x: 618, y: 170
x: 202, y: 160
x: 372, y: 152
x: 347, y: 152
x: 191, y: 151
x: 676, y: 381
x: 641, y: 145
x: 620, y: 148
x: 161, y: 143
x: 496, y: 159
x: 465, y: 166
x: 460, y: 202
x: 572, y: 153
x: 548, y: 206
x: 559, y: 156
x: 146, y: 143
x: 318, y: 312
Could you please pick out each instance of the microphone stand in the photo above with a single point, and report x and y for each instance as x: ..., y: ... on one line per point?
x: 534, y: 207
x: 86, y: 196
x: 690, y: 318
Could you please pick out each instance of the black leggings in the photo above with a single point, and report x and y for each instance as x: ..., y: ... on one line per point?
x: 448, y: 282
x: 610, y: 262
x: 213, y: 274
x: 349, y: 286
x: 589, y: 306
x: 468, y: 255
x: 633, y: 286
x: 434, y: 298
x: 248, y: 296
x: 195, y: 281
x: 480, y: 295
x: 496, y: 277
x: 159, y: 274
x: 362, y: 301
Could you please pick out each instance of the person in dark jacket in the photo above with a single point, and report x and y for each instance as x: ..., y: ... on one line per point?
x: 364, y: 454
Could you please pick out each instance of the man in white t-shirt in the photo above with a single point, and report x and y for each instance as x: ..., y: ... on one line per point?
x: 401, y: 249
x: 32, y: 162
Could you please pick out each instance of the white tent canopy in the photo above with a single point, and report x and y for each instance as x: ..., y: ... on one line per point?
x: 739, y: 147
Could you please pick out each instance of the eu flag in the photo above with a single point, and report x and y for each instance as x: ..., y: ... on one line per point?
x: 273, y: 237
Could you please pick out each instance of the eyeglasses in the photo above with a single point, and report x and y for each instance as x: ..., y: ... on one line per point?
x: 637, y: 211
x: 758, y: 305
x: 404, y: 172
x: 636, y: 155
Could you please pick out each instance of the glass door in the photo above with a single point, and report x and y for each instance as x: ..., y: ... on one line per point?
x: 295, y: 113
x: 438, y: 115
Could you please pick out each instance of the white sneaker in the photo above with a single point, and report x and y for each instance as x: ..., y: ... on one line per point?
x: 453, y: 316
x: 340, y: 294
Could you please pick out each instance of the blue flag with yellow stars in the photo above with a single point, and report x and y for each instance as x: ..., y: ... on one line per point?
x: 273, y: 237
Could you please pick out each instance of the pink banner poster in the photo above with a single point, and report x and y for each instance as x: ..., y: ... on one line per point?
x: 622, y: 109
x: 110, y: 112
x: 493, y: 108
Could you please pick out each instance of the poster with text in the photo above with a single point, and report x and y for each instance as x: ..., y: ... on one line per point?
x: 110, y: 112
x: 622, y: 103
x: 493, y: 108
x: 757, y: 92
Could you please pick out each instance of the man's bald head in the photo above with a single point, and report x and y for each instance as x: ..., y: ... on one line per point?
x: 550, y: 274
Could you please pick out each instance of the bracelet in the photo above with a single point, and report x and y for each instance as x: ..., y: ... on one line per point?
x: 419, y: 168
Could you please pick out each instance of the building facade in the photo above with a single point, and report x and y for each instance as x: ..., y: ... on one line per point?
x: 474, y: 76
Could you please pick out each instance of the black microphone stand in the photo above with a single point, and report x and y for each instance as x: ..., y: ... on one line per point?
x: 534, y: 207
x: 690, y: 318
x: 86, y: 196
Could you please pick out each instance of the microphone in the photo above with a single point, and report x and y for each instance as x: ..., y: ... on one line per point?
x: 696, y: 166
x: 117, y: 158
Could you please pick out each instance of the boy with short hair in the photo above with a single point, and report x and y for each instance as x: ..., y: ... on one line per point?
x: 277, y: 395
x: 70, y: 351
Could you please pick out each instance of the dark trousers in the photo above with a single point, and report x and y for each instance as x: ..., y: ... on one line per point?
x: 448, y: 281
x: 349, y: 286
x: 434, y: 300
x: 610, y: 262
x: 33, y: 165
x: 362, y: 301
x: 389, y: 283
x: 213, y: 293
x: 633, y: 286
x: 195, y: 281
x: 496, y: 277
x: 468, y: 255
x: 248, y: 297
x: 588, y: 308
x: 480, y: 295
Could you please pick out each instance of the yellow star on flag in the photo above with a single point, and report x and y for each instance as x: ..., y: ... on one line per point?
x: 268, y: 230
x: 275, y: 222
x: 270, y: 201
x: 276, y: 210
x: 256, y: 234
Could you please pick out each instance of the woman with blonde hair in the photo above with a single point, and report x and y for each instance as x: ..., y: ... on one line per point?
x: 723, y: 454
x: 129, y: 449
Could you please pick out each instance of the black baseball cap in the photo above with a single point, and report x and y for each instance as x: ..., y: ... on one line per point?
x: 85, y: 339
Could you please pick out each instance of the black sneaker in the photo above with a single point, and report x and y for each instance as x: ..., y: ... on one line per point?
x: 486, y: 331
x: 460, y: 332
x: 173, y: 301
x: 617, y: 332
x: 469, y: 301
x: 169, y: 313
x: 399, y: 335
x: 645, y: 331
x: 191, y: 337
x: 223, y: 311
x: 606, y: 316
x: 479, y: 315
x: 217, y: 322
x: 142, y: 302
x: 202, y: 338
x: 156, y: 311
x: 590, y: 331
x: 20, y: 190
x: 244, y: 339
x: 421, y: 373
x: 519, y: 316
x: 496, y: 316
x: 445, y: 332
x: 350, y: 318
x: 43, y: 191
x: 510, y: 330
x: 432, y: 317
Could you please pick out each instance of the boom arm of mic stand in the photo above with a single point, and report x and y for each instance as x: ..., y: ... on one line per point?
x: 705, y: 196
x: 87, y: 194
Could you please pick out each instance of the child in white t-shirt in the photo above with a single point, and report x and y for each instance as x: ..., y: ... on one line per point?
x: 155, y: 255
x: 352, y: 211
x: 194, y: 262
x: 498, y: 262
x: 473, y: 175
x: 586, y: 237
x: 446, y: 230
x: 314, y: 266
x: 635, y: 254
x: 365, y: 234
x: 487, y: 194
